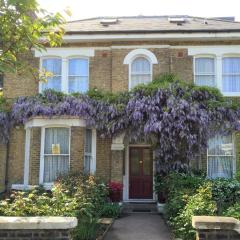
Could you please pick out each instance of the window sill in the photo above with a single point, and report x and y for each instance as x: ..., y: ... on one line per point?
x: 22, y: 187
x: 230, y: 94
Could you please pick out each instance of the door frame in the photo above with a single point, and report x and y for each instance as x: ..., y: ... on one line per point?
x: 126, y: 177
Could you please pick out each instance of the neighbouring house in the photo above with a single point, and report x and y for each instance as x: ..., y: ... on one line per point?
x: 116, y: 54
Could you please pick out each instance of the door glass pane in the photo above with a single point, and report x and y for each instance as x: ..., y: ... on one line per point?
x: 147, y: 168
x: 135, y: 161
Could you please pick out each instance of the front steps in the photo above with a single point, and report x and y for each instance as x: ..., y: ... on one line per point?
x: 140, y: 208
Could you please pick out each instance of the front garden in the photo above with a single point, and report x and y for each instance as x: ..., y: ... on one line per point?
x: 74, y: 195
x: 192, y: 194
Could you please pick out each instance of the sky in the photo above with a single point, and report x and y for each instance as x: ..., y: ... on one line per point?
x: 93, y: 8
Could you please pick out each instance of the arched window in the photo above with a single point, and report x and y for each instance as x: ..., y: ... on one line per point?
x: 141, y: 72
x: 140, y: 63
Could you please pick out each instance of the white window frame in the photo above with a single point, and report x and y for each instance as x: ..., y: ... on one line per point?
x: 65, y: 70
x: 233, y: 157
x: 43, y: 129
x: 230, y: 94
x: 215, y: 67
x: 93, y: 162
x: 76, y: 57
x: 134, y: 54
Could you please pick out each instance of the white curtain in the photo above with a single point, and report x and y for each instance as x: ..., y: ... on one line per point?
x: 140, y: 72
x: 220, y: 157
x: 77, y: 75
x: 205, y: 72
x: 54, y: 66
x: 55, y: 164
x: 88, y: 151
x: 231, y: 74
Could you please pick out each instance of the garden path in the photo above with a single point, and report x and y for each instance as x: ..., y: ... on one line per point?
x: 139, y: 226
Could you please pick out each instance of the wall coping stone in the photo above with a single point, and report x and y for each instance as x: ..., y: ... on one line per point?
x: 14, y: 223
x: 215, y: 223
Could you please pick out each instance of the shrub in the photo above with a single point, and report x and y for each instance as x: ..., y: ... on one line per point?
x: 233, y: 211
x: 112, y: 210
x: 199, y: 204
x: 226, y: 192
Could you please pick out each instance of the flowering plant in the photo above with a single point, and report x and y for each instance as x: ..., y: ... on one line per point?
x: 115, y: 187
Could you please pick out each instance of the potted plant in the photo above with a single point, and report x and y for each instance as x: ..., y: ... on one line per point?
x: 115, y: 191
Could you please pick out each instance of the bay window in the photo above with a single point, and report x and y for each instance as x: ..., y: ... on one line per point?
x: 204, y: 73
x: 56, y: 153
x: 231, y: 74
x: 220, y: 156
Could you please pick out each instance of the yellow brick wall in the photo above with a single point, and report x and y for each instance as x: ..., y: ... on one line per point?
x: 3, y: 155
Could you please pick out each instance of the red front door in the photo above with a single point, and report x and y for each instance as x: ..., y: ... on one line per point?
x: 140, y: 173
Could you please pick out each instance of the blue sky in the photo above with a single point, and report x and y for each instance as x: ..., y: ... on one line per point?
x: 92, y: 8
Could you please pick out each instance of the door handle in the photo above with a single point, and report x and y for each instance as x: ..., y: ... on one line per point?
x: 141, y: 162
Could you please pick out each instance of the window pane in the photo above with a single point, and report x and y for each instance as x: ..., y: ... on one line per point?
x: 220, y: 145
x: 231, y: 65
x: 205, y: 80
x: 220, y: 167
x: 54, y: 66
x: 204, y: 66
x: 140, y: 65
x: 57, y: 136
x: 140, y: 79
x: 55, y: 166
x: 88, y: 150
x: 231, y: 83
x: 78, y: 67
x: 78, y: 84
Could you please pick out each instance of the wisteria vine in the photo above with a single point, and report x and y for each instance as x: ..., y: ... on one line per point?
x: 177, y: 120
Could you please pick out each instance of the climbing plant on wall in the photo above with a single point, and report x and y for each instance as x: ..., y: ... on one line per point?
x: 175, y: 117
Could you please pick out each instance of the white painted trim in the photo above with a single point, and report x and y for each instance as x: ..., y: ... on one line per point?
x: 65, y: 52
x: 42, y: 122
x: 27, y: 155
x: 145, y: 36
x: 93, y: 165
x: 23, y: 187
x: 140, y: 52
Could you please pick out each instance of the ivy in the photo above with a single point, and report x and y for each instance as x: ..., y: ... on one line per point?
x: 175, y: 117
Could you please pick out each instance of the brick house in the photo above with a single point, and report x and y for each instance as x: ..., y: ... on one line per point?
x: 116, y: 54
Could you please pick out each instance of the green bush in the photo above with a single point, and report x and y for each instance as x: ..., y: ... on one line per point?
x: 233, y: 211
x: 199, y: 204
x: 111, y: 210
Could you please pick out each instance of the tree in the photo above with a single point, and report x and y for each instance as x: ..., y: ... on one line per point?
x: 25, y: 26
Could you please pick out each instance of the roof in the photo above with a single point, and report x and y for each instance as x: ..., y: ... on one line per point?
x: 151, y: 24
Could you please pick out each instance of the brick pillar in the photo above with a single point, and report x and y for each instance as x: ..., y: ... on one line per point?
x: 3, y: 153
x: 34, y: 157
x: 77, y: 149
x: 117, y: 159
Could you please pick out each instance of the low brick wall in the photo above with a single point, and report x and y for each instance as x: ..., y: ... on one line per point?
x: 214, y: 228
x: 36, y: 228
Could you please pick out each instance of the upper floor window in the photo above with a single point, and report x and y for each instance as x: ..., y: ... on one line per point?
x: 53, y: 66
x: 140, y: 63
x: 231, y: 74
x: 141, y: 72
x: 67, y: 75
x: 77, y: 75
x: 220, y: 156
x: 204, y: 71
